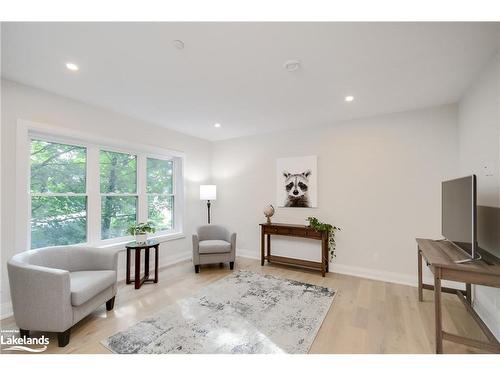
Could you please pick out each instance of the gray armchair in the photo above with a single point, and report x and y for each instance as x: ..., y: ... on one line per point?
x: 213, y: 244
x: 54, y: 288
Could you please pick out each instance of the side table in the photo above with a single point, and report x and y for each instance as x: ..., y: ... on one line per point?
x: 138, y: 247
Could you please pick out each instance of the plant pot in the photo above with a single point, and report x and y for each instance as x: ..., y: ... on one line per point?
x: 141, y: 238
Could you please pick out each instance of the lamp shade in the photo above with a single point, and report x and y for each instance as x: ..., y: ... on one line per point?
x: 208, y: 192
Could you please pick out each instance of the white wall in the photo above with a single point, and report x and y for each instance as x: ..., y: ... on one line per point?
x: 19, y: 101
x: 479, y: 140
x: 378, y: 178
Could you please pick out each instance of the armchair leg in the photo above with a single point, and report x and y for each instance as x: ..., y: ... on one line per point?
x: 231, y: 265
x: 24, y: 333
x: 197, y: 268
x: 63, y: 338
x: 110, y: 304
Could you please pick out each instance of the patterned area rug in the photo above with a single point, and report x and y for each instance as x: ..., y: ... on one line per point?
x: 245, y: 312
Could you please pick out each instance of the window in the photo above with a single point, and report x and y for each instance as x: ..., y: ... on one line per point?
x: 118, y: 180
x: 160, y: 193
x: 58, y: 194
x: 83, y: 192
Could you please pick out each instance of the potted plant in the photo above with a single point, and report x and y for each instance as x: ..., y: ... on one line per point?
x: 315, y: 224
x: 140, y: 231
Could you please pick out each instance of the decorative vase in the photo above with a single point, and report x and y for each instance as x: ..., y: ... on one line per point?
x: 141, y: 238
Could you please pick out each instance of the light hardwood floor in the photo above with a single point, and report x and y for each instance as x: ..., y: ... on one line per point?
x: 366, y: 316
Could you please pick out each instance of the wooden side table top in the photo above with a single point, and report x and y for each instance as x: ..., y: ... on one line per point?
x: 135, y: 245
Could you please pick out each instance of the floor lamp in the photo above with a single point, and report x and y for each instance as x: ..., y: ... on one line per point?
x: 208, y: 193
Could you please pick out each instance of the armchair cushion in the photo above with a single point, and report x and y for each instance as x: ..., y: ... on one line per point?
x: 214, y: 247
x: 86, y: 284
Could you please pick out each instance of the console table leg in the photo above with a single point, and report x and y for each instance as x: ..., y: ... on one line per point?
x: 262, y: 245
x: 268, y: 251
x: 437, y: 313
x: 324, y: 252
x: 420, y: 292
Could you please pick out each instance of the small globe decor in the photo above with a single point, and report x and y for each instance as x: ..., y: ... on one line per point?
x: 268, y: 212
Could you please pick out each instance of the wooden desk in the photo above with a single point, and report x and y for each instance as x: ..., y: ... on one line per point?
x: 293, y: 230
x: 440, y: 257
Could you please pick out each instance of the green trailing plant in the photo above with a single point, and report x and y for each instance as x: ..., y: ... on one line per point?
x: 314, y: 223
x: 141, y: 228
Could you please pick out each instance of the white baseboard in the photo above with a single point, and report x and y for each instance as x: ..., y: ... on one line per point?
x: 366, y: 273
x: 247, y: 254
x: 6, y: 307
x: 373, y: 274
x: 164, y: 262
x: 486, y: 309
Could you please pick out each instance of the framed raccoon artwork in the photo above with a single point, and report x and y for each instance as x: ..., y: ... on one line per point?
x: 297, y: 182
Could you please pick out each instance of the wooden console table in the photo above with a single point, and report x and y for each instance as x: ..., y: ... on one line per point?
x: 293, y: 231
x: 440, y: 257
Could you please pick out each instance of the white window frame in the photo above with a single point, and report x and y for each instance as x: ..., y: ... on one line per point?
x: 46, y: 138
x: 174, y: 188
x: 28, y: 130
x: 139, y: 217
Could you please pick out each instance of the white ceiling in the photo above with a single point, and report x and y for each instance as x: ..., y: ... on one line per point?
x: 232, y: 73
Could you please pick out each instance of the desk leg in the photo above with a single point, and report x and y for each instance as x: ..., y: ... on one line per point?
x: 437, y: 312
x: 468, y: 293
x: 156, y: 263
x: 137, y: 280
x: 128, y: 267
x: 262, y: 245
x: 420, y: 291
x: 268, y: 247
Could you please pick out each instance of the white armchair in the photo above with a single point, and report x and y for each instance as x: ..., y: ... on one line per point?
x: 213, y: 244
x: 55, y: 287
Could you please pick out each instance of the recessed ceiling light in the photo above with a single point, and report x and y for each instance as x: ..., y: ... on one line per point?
x: 349, y: 98
x: 72, y: 66
x: 292, y: 65
x: 179, y: 44
x: 217, y: 125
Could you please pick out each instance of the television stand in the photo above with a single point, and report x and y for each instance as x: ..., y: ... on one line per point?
x: 441, y: 257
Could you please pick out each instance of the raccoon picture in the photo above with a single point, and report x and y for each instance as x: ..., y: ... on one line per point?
x: 297, y: 186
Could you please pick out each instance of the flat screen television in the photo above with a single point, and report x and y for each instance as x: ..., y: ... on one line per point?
x: 459, y: 214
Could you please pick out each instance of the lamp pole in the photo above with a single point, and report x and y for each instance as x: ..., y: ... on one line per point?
x: 208, y: 193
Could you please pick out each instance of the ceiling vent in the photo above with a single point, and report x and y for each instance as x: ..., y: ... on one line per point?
x: 179, y: 44
x: 292, y: 65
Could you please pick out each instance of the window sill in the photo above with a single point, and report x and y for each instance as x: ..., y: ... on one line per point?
x: 161, y: 238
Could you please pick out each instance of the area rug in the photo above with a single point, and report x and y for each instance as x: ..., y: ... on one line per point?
x: 245, y: 312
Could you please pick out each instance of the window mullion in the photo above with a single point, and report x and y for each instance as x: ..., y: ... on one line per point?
x: 142, y: 209
x: 93, y: 194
